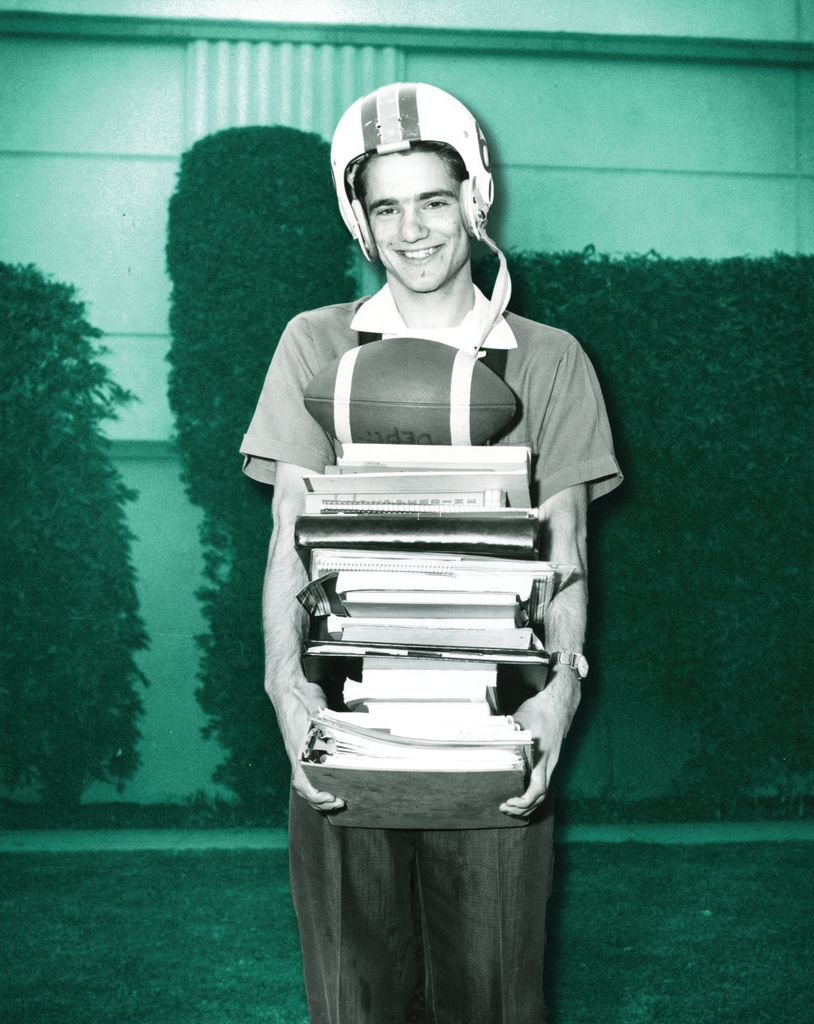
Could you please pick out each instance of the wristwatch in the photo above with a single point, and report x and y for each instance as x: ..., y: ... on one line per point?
x: 578, y: 662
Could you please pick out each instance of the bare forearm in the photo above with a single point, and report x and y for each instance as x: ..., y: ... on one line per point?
x: 549, y: 712
x: 565, y: 631
x: 566, y: 617
x: 294, y: 698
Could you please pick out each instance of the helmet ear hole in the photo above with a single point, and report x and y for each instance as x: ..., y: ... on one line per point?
x: 365, y: 237
x: 473, y: 214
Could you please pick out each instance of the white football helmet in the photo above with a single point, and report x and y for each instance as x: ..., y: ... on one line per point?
x: 389, y: 120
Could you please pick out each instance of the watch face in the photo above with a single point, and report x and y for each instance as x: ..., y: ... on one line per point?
x: 582, y: 666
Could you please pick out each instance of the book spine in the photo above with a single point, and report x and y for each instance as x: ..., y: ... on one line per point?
x: 513, y: 537
x: 508, y: 639
x: 325, y: 561
x: 476, y: 501
x: 427, y: 455
x: 407, y: 608
x: 474, y: 622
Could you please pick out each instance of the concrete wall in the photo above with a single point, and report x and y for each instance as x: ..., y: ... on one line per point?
x: 682, y: 127
x: 781, y: 20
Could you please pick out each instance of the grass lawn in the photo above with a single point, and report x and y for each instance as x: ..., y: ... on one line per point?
x: 638, y: 934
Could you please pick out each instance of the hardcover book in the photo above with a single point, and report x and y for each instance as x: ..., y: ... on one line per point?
x: 455, y: 778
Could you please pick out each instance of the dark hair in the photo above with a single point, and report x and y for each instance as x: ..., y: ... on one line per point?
x: 357, y: 174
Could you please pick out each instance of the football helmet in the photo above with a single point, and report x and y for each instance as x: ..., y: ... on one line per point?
x: 390, y: 120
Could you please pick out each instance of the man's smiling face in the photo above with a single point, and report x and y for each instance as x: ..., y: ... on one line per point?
x: 415, y: 216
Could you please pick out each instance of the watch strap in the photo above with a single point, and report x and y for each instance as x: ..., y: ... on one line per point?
x: 573, y: 659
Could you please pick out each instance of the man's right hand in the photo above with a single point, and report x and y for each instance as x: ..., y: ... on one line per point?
x: 294, y: 718
x: 318, y: 799
x: 295, y: 699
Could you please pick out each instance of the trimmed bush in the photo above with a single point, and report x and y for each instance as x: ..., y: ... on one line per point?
x: 68, y: 679
x: 253, y: 240
x: 705, y: 553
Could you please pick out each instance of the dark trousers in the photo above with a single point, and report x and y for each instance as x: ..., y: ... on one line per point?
x: 481, y: 895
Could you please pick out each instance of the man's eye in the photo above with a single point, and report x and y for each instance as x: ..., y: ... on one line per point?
x: 383, y: 211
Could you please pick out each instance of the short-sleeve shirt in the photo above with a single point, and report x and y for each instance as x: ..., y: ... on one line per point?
x: 562, y: 413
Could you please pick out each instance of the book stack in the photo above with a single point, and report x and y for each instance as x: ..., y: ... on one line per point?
x: 423, y: 564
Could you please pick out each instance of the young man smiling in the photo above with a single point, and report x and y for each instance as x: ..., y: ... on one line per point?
x: 414, y: 186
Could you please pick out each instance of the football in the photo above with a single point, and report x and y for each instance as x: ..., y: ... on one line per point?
x: 409, y: 391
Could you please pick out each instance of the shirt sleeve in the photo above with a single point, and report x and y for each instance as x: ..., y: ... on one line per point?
x: 282, y: 429
x: 574, y: 444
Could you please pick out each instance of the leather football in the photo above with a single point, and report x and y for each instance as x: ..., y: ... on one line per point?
x: 409, y: 391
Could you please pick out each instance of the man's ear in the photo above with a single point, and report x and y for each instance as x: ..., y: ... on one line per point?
x: 365, y: 238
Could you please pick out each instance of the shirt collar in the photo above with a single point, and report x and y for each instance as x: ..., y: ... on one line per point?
x: 379, y: 315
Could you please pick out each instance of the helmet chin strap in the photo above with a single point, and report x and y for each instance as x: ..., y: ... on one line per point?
x: 501, y: 293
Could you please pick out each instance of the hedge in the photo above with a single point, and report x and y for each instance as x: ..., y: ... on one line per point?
x: 69, y: 701
x: 704, y: 554
x: 253, y: 240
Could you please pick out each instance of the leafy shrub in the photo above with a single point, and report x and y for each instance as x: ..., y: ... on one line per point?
x: 68, y: 679
x: 254, y: 239
x: 704, y: 555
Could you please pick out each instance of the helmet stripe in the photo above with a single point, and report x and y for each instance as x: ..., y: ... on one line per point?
x: 390, y: 118
x: 370, y: 123
x: 387, y: 108
x: 408, y: 113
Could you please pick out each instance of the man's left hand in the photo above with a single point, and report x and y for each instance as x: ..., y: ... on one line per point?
x: 547, y: 721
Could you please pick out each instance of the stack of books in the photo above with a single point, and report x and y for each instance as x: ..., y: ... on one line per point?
x: 423, y: 564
